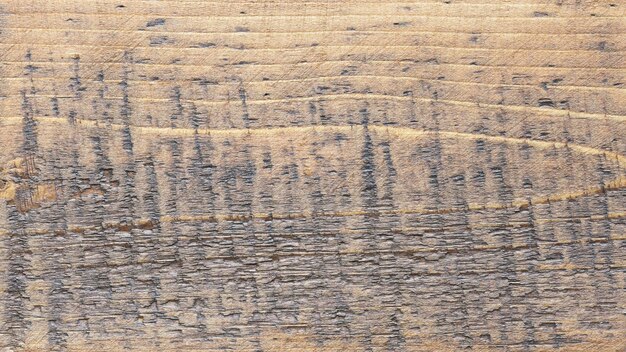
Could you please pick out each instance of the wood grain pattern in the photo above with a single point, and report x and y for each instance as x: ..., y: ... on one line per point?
x: 312, y: 176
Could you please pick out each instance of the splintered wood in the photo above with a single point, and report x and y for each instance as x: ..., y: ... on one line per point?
x: 190, y: 175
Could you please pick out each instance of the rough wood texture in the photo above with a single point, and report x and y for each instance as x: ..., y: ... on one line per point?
x: 312, y: 176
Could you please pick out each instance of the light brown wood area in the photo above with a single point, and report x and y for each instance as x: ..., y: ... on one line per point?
x: 190, y: 175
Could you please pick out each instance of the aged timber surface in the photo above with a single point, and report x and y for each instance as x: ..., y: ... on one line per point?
x: 191, y: 175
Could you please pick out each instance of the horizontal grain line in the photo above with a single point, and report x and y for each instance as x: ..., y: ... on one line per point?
x: 141, y: 30
x: 249, y: 82
x: 145, y: 222
x: 178, y: 49
x: 398, y: 16
x: 252, y: 64
x: 450, y: 249
x: 390, y: 32
x: 343, y: 2
x: 398, y: 131
x: 358, y: 96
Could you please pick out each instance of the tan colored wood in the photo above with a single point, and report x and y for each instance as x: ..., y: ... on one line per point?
x: 312, y: 175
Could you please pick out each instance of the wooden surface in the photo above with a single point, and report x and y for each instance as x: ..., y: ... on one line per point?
x: 312, y: 176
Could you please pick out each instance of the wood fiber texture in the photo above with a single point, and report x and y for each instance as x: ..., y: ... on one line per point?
x: 190, y: 175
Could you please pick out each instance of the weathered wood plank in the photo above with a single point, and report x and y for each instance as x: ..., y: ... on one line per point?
x: 312, y: 176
